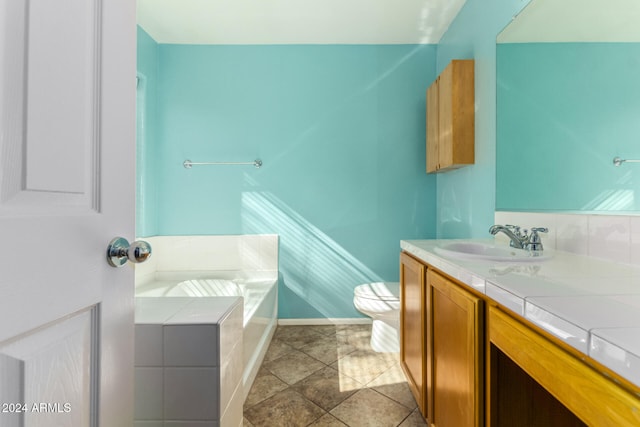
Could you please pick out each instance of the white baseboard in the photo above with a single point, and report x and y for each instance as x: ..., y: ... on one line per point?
x: 325, y: 321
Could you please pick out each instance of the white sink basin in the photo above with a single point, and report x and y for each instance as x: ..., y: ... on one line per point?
x: 488, y: 252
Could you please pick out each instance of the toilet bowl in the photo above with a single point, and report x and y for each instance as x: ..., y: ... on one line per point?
x: 381, y: 302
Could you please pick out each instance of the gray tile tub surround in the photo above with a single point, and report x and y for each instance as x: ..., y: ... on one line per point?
x: 188, y: 364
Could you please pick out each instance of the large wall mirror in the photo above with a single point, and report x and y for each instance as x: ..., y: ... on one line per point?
x: 568, y: 103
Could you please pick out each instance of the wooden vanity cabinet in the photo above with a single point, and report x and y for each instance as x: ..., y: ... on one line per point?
x: 536, y: 382
x: 413, y: 329
x: 441, y: 345
x: 457, y: 335
x: 451, y: 118
x: 470, y: 362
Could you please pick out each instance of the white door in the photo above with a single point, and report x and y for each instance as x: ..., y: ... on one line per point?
x: 67, y: 182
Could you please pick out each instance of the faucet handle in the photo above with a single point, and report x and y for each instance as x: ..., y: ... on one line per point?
x: 535, y: 243
x: 539, y: 230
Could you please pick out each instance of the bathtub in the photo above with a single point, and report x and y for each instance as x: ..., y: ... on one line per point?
x: 205, y: 266
x: 259, y: 311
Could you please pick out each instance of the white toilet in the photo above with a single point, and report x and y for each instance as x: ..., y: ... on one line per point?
x: 381, y: 302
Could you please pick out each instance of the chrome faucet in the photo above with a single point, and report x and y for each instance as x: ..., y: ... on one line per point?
x: 513, y: 232
x: 521, y: 239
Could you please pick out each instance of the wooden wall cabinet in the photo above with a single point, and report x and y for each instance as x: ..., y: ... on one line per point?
x: 451, y: 118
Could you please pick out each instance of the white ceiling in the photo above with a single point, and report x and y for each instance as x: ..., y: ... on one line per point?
x: 575, y: 21
x: 297, y: 21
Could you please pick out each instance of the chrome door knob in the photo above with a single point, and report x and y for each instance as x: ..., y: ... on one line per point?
x: 119, y: 251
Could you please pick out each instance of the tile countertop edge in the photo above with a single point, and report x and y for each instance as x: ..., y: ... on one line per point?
x: 183, y: 310
x: 472, y: 273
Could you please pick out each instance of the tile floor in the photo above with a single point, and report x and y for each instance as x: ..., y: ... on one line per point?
x: 329, y: 376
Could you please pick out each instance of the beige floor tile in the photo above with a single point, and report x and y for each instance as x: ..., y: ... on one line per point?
x: 351, y: 329
x: 327, y: 388
x: 392, y: 383
x: 263, y: 388
x: 328, y: 420
x: 328, y: 330
x: 246, y: 423
x: 365, y: 366
x: 358, y: 336
x: 294, y: 386
x: 297, y: 336
x: 276, y: 350
x: 262, y: 372
x: 285, y: 409
x: 293, y: 366
x: 328, y: 349
x: 368, y: 408
x: 414, y: 420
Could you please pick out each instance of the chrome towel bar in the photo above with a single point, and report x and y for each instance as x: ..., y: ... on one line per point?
x: 618, y: 161
x: 188, y: 163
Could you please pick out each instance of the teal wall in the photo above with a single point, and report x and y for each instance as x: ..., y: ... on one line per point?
x: 564, y: 111
x: 341, y: 132
x: 147, y: 136
x: 466, y: 197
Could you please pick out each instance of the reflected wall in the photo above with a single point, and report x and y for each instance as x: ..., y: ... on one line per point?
x: 565, y: 110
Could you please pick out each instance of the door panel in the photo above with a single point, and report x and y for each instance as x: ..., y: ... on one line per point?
x: 49, y: 106
x: 66, y: 110
x: 52, y: 371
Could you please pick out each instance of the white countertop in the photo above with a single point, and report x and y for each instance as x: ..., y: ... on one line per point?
x: 591, y: 304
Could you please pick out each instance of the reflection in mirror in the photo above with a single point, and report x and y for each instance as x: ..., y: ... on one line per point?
x: 568, y: 102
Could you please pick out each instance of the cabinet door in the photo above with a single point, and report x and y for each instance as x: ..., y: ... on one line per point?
x: 457, y: 321
x: 451, y: 118
x: 432, y: 128
x: 413, y: 336
x: 446, y: 104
